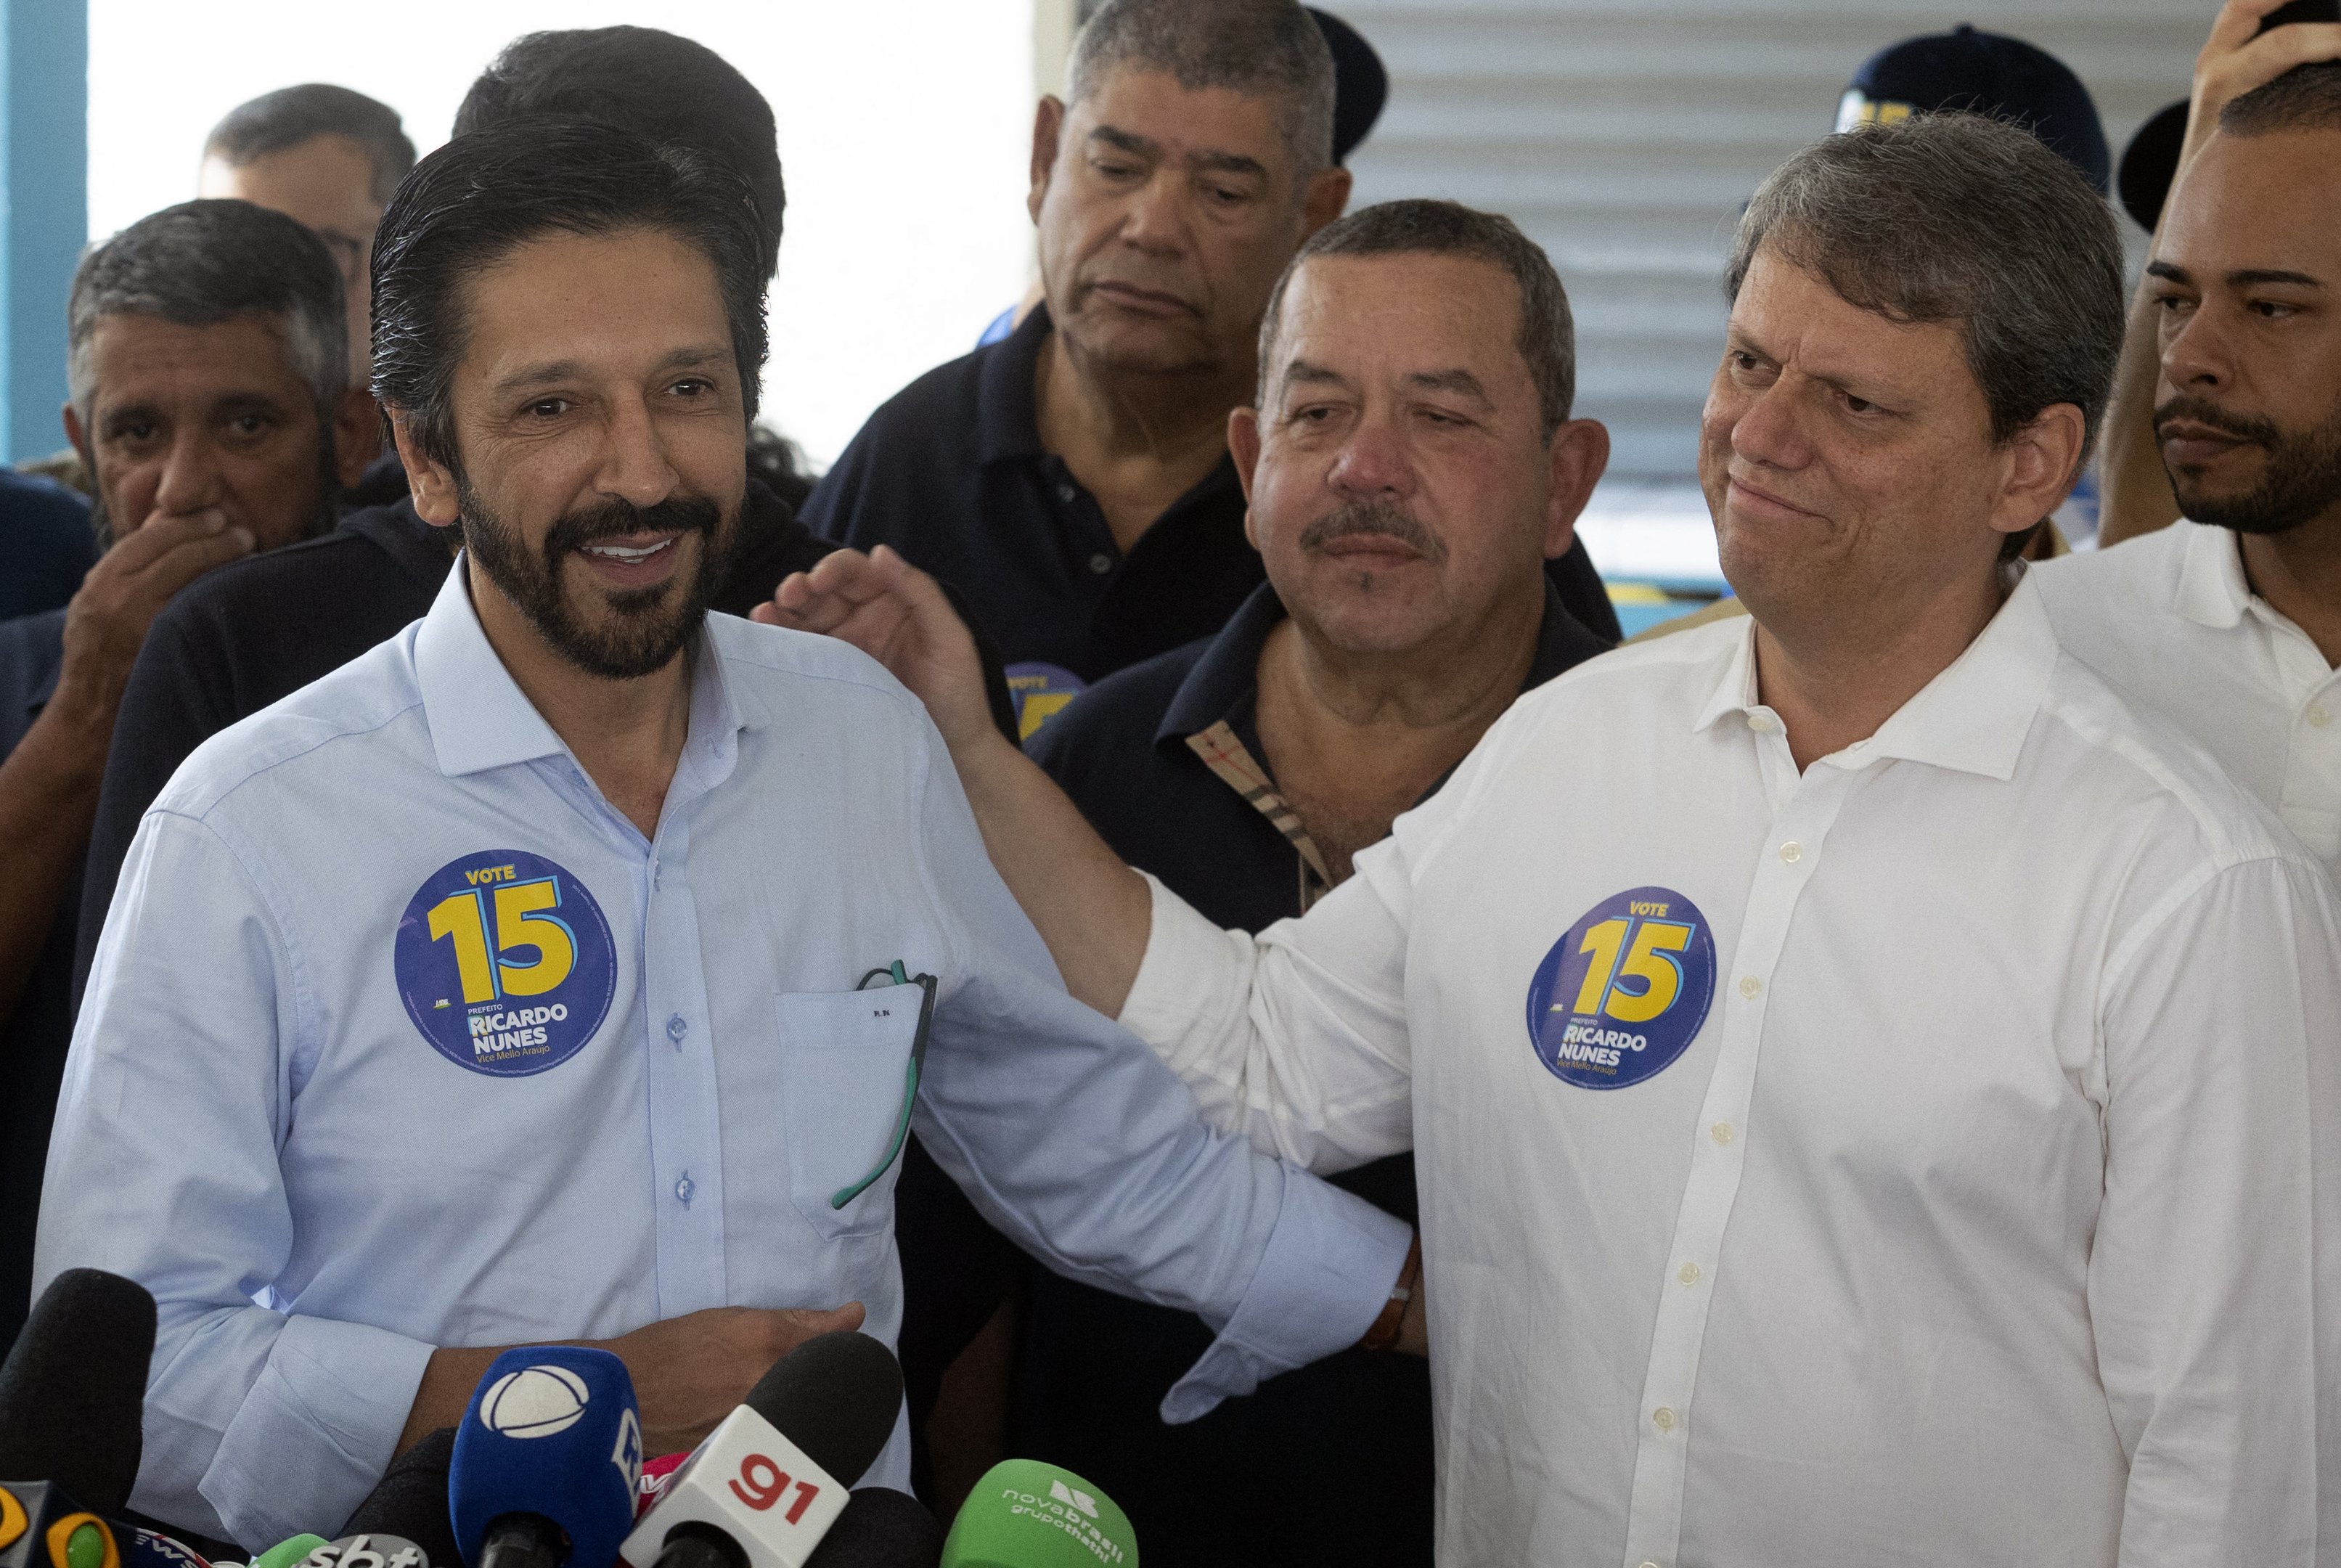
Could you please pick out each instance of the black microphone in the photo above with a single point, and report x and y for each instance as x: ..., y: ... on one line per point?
x: 770, y: 1482
x: 880, y: 1528
x: 73, y: 1391
x: 410, y: 1500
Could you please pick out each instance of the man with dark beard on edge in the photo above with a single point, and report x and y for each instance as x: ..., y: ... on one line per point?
x: 555, y: 969
x: 2228, y: 622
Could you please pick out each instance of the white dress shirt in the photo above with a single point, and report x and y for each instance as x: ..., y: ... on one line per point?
x: 400, y: 1035
x: 1930, y: 1158
x: 2170, y: 620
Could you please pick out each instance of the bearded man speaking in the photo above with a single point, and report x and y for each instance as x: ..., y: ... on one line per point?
x: 556, y: 970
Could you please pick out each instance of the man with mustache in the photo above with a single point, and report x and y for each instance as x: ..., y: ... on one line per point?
x: 1875, y: 1094
x: 2228, y: 622
x: 573, y: 964
x: 1404, y: 503
x: 1074, y: 480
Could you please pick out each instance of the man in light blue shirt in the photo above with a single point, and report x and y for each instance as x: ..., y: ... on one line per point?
x: 554, y: 970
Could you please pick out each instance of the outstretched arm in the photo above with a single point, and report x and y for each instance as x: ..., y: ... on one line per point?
x: 1092, y: 911
x: 2236, y: 58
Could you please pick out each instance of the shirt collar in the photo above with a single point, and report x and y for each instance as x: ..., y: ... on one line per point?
x: 1006, y: 413
x: 1973, y: 716
x: 2212, y: 589
x: 1227, y: 675
x: 479, y: 718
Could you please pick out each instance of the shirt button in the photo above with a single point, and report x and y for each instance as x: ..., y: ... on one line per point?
x: 1100, y: 563
x: 1663, y: 1419
x: 1762, y: 723
x: 2317, y: 717
x: 1720, y: 1131
x: 1792, y: 852
x: 676, y: 1028
x: 1065, y: 493
x: 1688, y: 1274
x: 1748, y: 983
x: 683, y: 1189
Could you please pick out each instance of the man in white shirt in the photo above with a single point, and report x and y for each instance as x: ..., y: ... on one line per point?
x: 1875, y: 1096
x: 2230, y: 623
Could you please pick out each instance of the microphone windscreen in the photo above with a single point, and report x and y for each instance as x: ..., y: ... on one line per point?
x: 1025, y: 1513
x: 288, y: 1552
x: 73, y: 1391
x: 880, y: 1528
x: 411, y: 1500
x: 836, y: 1397
x: 553, y: 1432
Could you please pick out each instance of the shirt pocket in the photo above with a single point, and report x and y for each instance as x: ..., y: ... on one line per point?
x: 844, y: 1058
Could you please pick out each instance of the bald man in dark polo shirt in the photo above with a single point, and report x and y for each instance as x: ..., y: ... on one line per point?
x: 1073, y: 480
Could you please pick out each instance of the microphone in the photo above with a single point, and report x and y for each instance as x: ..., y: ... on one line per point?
x: 544, y: 1467
x: 73, y: 1388
x: 289, y: 1552
x: 770, y: 1481
x: 153, y: 1549
x: 41, y: 1526
x: 1025, y: 1513
x: 410, y: 1500
x: 880, y: 1528
x: 367, y: 1551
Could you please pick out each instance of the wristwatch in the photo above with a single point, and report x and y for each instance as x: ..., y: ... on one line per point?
x: 1383, y: 1335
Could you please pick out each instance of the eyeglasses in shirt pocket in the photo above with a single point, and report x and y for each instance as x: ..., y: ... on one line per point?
x: 844, y: 1057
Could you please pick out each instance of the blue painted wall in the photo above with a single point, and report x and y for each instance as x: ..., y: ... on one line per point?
x: 43, y: 209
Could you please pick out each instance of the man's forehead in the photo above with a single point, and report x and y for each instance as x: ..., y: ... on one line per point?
x: 2258, y: 203
x: 1152, y: 107
x: 1405, y: 302
x: 130, y: 348
x: 573, y: 297
x: 1789, y: 312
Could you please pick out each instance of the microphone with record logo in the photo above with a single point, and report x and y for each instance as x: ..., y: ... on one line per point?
x: 771, y: 1480
x: 543, y: 1467
x: 1024, y: 1514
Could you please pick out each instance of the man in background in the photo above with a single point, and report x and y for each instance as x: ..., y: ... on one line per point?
x: 1405, y: 494
x: 1074, y: 479
x: 211, y: 402
x: 2228, y: 622
x: 325, y: 155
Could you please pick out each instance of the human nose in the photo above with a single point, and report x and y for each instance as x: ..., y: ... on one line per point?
x: 1766, y: 426
x: 2196, y: 356
x: 1373, y: 461
x: 1156, y: 220
x: 191, y: 479
x: 635, y: 466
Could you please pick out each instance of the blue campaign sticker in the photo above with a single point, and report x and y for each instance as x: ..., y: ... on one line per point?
x: 1625, y: 991
x: 1039, y: 692
x: 506, y: 963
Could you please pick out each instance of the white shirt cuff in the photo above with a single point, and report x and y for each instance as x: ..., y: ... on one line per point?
x: 1328, y: 1268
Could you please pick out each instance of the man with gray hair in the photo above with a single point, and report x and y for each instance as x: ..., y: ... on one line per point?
x: 208, y: 372
x: 1874, y: 1095
x: 326, y: 156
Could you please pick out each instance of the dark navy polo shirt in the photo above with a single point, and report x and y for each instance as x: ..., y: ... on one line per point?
x: 32, y: 1036
x: 1330, y: 1464
x: 46, y: 534
x: 951, y: 472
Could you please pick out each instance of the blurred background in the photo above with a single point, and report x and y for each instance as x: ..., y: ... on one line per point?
x: 1622, y: 136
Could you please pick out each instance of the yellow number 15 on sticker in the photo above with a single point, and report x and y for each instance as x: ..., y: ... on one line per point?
x: 520, y: 922
x: 1649, y: 957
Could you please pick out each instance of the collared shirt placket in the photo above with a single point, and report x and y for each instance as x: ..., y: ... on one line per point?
x: 1231, y: 763
x: 1804, y: 809
x: 2312, y: 770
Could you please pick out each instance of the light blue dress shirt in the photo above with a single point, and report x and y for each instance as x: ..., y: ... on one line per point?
x: 400, y: 1035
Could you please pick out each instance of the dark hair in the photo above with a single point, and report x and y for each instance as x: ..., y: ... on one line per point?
x: 1548, y: 335
x: 663, y: 88
x: 1958, y: 218
x: 482, y: 196
x: 291, y: 115
x: 1261, y: 48
x: 2305, y: 98
x: 201, y: 262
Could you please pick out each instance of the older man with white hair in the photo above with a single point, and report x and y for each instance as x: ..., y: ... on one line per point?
x: 1874, y: 1095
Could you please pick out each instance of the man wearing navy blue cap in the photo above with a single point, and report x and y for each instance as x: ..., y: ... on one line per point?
x: 1987, y: 74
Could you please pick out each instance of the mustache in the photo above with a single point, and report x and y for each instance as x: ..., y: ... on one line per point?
x: 2202, y: 411
x: 616, y: 518
x: 1379, y: 519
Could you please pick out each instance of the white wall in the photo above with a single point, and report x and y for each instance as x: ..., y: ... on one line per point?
x: 904, y: 129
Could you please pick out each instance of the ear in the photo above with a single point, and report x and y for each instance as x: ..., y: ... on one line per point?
x: 1243, y: 446
x: 1578, y: 453
x: 2038, y: 465
x: 432, y: 483
x: 78, y: 438
x: 357, y: 435
x: 1047, y: 124
x: 1325, y: 199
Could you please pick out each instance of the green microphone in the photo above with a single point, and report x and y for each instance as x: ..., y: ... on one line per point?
x: 285, y: 1553
x: 1027, y: 1514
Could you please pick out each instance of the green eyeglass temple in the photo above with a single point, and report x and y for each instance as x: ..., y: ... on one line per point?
x: 894, y: 975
